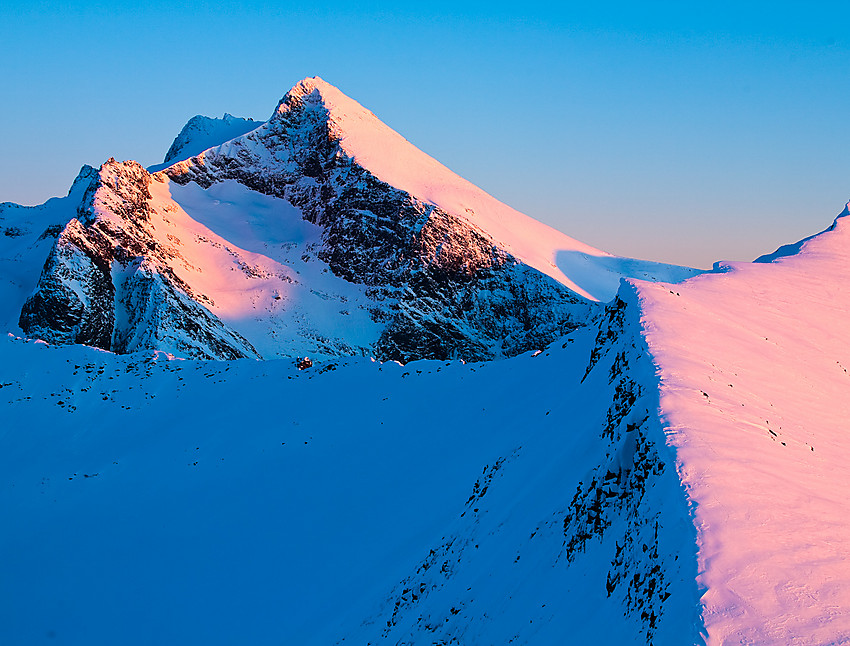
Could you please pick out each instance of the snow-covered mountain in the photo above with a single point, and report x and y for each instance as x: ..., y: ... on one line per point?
x: 673, y: 475
x: 202, y: 132
x: 658, y: 463
x: 319, y: 232
x: 755, y: 394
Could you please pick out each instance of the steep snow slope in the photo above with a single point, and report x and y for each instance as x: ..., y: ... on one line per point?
x: 202, y: 132
x: 389, y: 157
x: 756, y: 393
x: 529, y: 501
x: 260, y: 271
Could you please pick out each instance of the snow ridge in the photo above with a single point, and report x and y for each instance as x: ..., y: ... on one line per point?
x: 755, y: 394
x: 201, y: 133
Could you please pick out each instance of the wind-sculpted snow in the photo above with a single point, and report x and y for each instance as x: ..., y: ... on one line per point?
x: 756, y: 394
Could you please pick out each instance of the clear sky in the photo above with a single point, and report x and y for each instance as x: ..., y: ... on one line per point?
x: 682, y: 132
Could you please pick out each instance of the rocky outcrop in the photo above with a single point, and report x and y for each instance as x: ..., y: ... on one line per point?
x: 615, y: 528
x: 109, y: 283
x: 74, y: 300
x: 444, y: 287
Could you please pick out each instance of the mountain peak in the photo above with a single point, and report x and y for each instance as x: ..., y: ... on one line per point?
x: 316, y: 92
x: 201, y: 133
x: 312, y: 84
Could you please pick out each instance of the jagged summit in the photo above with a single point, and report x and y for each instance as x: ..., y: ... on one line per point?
x: 356, y: 134
x: 322, y: 232
x: 394, y: 160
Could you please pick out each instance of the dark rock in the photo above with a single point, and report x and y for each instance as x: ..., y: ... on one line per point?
x: 444, y: 286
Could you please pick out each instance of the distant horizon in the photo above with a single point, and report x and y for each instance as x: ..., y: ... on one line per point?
x: 662, y: 133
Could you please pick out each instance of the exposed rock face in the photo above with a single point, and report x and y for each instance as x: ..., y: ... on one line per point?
x: 617, y: 518
x: 74, y: 302
x: 110, y: 284
x: 444, y: 287
x: 615, y: 498
x: 435, y: 284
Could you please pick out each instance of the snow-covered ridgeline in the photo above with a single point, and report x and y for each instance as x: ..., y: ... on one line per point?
x: 755, y: 393
x: 201, y: 133
x: 316, y: 126
x: 593, y: 516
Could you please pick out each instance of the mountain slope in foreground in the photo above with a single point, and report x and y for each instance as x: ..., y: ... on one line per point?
x: 319, y: 232
x: 755, y: 393
x: 675, y: 475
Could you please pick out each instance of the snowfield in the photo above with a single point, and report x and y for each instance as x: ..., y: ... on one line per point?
x: 170, y: 501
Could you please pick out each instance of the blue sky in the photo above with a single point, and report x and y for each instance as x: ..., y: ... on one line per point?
x: 671, y: 132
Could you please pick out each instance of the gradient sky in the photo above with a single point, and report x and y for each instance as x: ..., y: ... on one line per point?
x: 677, y: 132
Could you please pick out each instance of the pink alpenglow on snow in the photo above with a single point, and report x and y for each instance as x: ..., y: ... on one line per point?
x: 659, y: 456
x: 589, y: 272
x: 755, y: 391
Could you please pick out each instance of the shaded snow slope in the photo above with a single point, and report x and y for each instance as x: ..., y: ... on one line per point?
x: 201, y: 133
x: 756, y: 393
x: 530, y: 501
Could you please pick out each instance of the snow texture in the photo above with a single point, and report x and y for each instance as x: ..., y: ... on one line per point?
x: 153, y: 499
x: 755, y: 393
